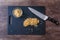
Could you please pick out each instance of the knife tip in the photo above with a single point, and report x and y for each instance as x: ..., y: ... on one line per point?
x: 29, y: 8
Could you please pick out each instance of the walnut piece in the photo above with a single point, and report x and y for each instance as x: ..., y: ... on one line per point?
x: 30, y: 21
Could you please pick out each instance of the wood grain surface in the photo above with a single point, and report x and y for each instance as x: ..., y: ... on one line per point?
x: 52, y: 10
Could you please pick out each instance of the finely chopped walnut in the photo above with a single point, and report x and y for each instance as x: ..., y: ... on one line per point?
x: 31, y: 21
x: 17, y: 12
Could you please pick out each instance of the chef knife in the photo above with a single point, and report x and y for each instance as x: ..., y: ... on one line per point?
x: 42, y: 16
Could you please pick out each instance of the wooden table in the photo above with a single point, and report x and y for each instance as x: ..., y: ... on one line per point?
x: 52, y: 10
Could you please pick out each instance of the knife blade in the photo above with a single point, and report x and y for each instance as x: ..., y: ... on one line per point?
x: 42, y: 16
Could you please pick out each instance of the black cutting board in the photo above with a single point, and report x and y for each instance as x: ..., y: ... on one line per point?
x: 17, y: 28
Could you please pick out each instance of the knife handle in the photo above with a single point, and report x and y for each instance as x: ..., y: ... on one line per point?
x: 53, y: 20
